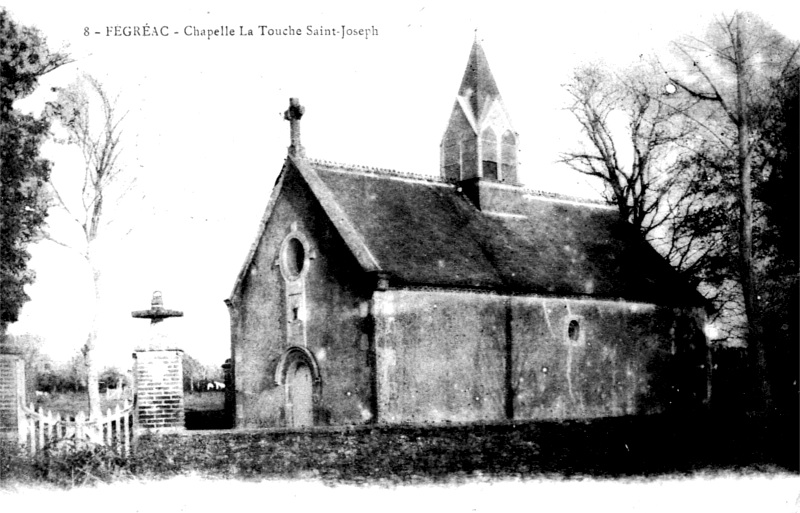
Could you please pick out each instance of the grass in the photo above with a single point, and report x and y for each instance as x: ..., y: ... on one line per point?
x: 70, y: 403
x: 620, y: 447
x: 204, y: 401
x: 204, y: 410
x: 66, y: 463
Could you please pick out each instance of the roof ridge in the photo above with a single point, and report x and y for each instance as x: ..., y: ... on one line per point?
x: 374, y: 170
x: 380, y: 171
x: 565, y: 197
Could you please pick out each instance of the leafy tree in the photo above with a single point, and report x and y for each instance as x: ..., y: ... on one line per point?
x: 36, y: 363
x: 112, y: 377
x: 92, y: 124
x: 73, y: 374
x: 732, y: 74
x: 48, y: 381
x: 24, y: 58
x: 214, y: 372
x: 193, y: 372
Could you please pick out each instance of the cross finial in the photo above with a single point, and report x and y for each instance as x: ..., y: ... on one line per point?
x: 157, y: 312
x: 293, y: 115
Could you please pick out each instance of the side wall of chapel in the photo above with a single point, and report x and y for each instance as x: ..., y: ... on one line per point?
x: 463, y: 357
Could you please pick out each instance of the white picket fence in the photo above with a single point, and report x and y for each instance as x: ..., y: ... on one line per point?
x: 115, y: 394
x: 39, y: 429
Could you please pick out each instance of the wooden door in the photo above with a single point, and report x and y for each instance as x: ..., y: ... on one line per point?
x: 300, y: 389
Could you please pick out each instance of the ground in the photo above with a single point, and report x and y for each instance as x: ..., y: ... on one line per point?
x: 728, y: 492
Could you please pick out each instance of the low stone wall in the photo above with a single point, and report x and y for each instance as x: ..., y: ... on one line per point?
x: 620, y: 446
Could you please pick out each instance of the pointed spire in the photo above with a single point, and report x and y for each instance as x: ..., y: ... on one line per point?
x: 478, y: 84
x: 479, y: 141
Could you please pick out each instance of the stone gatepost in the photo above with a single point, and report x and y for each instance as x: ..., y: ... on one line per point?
x: 12, y: 392
x: 230, y: 393
x: 158, y: 375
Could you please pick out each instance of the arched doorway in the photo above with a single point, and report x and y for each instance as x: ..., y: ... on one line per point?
x: 299, y: 396
x: 298, y: 373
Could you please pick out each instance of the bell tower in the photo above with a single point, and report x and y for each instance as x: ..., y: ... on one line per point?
x: 479, y: 141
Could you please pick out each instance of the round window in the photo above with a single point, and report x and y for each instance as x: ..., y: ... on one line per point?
x: 574, y: 330
x: 294, y: 257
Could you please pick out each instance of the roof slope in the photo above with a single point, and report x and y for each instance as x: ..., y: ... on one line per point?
x: 424, y: 232
x: 478, y: 85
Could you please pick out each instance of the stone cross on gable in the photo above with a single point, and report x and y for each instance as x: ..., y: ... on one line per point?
x: 293, y: 115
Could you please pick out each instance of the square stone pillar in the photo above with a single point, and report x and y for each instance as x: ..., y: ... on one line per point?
x: 12, y: 392
x: 230, y: 390
x: 158, y: 388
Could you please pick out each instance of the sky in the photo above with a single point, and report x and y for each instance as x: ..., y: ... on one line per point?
x: 204, y: 134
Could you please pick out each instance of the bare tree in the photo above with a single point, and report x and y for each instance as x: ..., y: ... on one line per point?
x: 92, y: 123
x: 629, y: 112
x: 730, y: 74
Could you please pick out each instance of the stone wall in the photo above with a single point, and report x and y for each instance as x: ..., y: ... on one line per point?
x: 440, y: 356
x: 645, y: 446
x: 628, y: 358
x: 460, y: 356
x: 12, y: 389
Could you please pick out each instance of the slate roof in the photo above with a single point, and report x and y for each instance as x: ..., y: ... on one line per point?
x: 478, y: 85
x: 424, y: 232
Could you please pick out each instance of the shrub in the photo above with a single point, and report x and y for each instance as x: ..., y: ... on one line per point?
x: 70, y: 461
x: 15, y: 463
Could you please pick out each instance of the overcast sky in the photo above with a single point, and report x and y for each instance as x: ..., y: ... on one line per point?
x: 205, y: 137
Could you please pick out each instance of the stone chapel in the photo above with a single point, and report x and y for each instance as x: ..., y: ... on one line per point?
x: 371, y: 296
